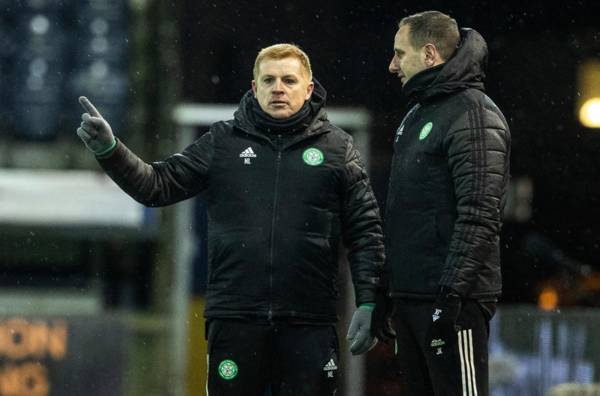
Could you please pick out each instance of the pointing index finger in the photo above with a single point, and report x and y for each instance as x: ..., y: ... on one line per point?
x: 89, y: 107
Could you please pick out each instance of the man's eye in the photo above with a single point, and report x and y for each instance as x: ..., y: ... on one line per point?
x: 290, y: 81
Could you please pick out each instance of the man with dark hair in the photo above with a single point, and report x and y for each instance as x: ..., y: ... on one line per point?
x: 283, y: 186
x: 447, y: 189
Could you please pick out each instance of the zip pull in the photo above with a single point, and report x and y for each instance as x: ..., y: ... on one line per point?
x: 279, y: 148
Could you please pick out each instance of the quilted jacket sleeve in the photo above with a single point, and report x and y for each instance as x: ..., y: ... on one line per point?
x: 180, y: 176
x: 362, y: 228
x: 478, y: 148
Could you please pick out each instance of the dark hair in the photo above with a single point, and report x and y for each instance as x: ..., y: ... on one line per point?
x: 433, y: 27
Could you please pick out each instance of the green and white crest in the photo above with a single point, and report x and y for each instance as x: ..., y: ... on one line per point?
x: 313, y: 156
x: 228, y: 369
x: 425, y: 130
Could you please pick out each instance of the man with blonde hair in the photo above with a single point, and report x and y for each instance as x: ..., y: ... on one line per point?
x: 283, y: 187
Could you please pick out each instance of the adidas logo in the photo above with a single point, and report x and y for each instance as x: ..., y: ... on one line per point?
x: 330, y: 366
x: 248, y: 153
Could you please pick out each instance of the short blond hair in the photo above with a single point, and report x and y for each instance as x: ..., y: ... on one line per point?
x: 281, y: 51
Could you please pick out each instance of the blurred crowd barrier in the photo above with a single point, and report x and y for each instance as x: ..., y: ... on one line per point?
x: 533, y: 351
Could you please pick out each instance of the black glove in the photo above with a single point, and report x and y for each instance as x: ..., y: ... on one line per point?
x: 381, y: 324
x: 445, y: 310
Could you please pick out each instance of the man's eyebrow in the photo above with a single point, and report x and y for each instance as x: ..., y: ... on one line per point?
x: 284, y: 76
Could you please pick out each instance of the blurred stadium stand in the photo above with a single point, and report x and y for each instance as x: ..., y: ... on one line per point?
x: 54, y: 51
x: 100, y: 59
x: 37, y: 67
x: 68, y: 254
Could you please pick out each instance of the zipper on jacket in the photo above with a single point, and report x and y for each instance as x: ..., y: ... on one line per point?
x: 273, y: 221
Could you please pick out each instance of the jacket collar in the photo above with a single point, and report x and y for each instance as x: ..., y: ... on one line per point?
x: 465, y: 69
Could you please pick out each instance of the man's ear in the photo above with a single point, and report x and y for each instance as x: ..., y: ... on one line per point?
x: 432, y: 56
x: 309, y: 90
x: 254, y: 87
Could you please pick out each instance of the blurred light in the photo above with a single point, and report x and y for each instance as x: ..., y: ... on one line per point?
x: 588, y: 93
x: 99, y: 70
x: 38, y: 67
x: 589, y: 114
x: 39, y: 24
x: 99, y: 27
x: 548, y: 299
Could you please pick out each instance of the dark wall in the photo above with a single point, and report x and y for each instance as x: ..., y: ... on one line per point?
x: 534, y: 53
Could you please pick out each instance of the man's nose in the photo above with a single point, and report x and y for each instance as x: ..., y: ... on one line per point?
x: 278, y: 86
x: 393, y: 67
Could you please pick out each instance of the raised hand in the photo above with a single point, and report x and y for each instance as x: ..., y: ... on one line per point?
x: 94, y: 131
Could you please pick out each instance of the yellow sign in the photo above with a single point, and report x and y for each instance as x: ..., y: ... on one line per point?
x: 24, y: 347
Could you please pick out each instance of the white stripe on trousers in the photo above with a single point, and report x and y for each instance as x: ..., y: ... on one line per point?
x: 467, y: 364
x: 207, y: 369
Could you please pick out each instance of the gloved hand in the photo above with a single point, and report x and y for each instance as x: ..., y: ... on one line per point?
x: 381, y: 326
x: 359, y: 333
x: 445, y: 310
x: 94, y: 130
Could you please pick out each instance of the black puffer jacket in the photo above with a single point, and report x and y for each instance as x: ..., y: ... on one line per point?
x: 277, y: 207
x: 448, y: 182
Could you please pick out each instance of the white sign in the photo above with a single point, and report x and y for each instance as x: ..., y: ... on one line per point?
x: 52, y: 197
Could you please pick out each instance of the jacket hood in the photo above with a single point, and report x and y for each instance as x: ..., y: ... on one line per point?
x: 465, y: 69
x: 245, y: 118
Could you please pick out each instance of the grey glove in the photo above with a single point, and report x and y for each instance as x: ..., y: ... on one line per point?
x: 94, y: 130
x: 359, y: 333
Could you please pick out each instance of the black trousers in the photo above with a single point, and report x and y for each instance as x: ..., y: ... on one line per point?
x: 258, y: 358
x: 461, y: 370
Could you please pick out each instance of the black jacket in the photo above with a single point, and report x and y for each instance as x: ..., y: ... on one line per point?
x: 448, y: 182
x: 278, y: 206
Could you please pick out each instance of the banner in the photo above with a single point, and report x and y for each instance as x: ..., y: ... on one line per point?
x: 61, y: 356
